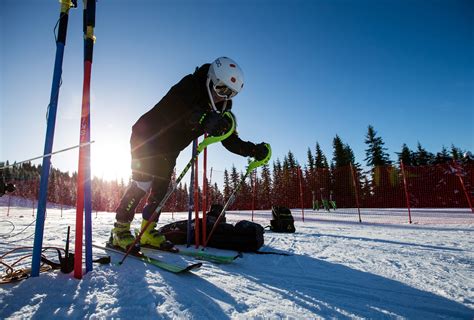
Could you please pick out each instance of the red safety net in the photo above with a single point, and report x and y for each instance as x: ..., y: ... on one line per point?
x: 387, y: 192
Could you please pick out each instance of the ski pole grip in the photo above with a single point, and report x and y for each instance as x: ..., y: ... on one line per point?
x: 212, y: 139
x: 258, y: 163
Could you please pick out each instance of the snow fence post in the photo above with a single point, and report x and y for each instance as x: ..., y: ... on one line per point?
x: 300, y: 178
x: 461, y: 180
x: 405, y: 186
x: 354, y: 181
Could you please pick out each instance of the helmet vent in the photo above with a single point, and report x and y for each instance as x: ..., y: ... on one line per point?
x: 232, y: 65
x: 232, y: 79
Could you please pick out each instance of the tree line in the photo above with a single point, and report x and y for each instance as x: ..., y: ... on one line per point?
x: 282, y: 181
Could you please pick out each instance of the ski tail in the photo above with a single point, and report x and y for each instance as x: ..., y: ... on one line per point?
x: 160, y: 263
x: 201, y: 255
x: 216, y: 258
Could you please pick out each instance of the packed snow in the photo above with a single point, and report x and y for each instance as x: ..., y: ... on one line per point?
x: 338, y: 268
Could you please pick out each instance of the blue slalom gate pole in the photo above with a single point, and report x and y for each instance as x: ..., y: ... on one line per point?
x: 48, y: 146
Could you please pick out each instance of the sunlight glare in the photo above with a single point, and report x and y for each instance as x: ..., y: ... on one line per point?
x: 111, y: 161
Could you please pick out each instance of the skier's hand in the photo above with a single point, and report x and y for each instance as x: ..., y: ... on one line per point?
x: 216, y: 124
x: 261, y: 151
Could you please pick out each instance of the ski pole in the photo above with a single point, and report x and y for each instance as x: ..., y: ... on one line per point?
x: 47, y: 155
x: 252, y: 166
x: 206, y: 142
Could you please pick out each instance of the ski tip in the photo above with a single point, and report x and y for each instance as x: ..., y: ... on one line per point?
x: 193, y: 267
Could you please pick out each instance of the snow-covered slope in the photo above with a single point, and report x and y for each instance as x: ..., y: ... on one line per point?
x: 339, y: 269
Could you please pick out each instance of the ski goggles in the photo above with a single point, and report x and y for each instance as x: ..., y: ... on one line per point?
x: 224, y: 91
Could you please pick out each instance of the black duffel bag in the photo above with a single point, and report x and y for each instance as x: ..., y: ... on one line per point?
x: 282, y: 220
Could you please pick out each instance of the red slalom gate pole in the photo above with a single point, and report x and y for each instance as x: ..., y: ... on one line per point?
x: 81, y: 176
x: 466, y: 193
x: 84, y: 194
x: 405, y: 186
x: 204, y: 195
x: 196, y: 203
x: 354, y: 181
x: 300, y: 178
x: 461, y: 180
x: 254, y: 182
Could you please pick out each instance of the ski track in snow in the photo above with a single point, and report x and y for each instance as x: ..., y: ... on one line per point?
x: 339, y: 268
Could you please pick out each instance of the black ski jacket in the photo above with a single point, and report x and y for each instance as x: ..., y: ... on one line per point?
x: 173, y: 123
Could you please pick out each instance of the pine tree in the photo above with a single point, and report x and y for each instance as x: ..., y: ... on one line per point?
x: 338, y: 154
x: 278, y: 194
x: 442, y: 156
x: 406, y: 155
x: 343, y: 154
x: 292, y: 163
x: 265, y: 189
x: 456, y: 152
x: 349, y: 154
x: 216, y: 195
x: 6, y: 172
x: 227, y: 185
x: 422, y: 157
x: 375, y: 153
x: 234, y: 177
x: 183, y: 198
x: 310, y: 161
x: 244, y: 199
x: 290, y: 178
x: 340, y: 178
x: 320, y: 160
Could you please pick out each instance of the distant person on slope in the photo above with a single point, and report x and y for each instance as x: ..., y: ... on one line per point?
x: 192, y: 107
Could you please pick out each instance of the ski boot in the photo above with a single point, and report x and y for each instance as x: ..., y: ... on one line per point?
x: 152, y: 238
x: 121, y: 235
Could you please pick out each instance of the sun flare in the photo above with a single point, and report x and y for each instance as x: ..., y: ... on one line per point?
x: 111, y: 161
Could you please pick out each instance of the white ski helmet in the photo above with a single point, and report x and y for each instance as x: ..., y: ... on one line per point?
x: 226, y: 79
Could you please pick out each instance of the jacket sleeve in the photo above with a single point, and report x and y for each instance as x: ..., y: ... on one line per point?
x: 195, y: 119
x: 236, y: 145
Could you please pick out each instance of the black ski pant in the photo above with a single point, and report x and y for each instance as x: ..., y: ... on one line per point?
x: 148, y: 165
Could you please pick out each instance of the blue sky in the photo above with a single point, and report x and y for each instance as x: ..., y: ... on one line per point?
x: 313, y: 69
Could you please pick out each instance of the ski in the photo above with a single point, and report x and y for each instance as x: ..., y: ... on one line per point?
x: 201, y: 255
x: 171, y: 267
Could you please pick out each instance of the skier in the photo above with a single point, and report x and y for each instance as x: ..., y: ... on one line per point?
x: 194, y: 106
